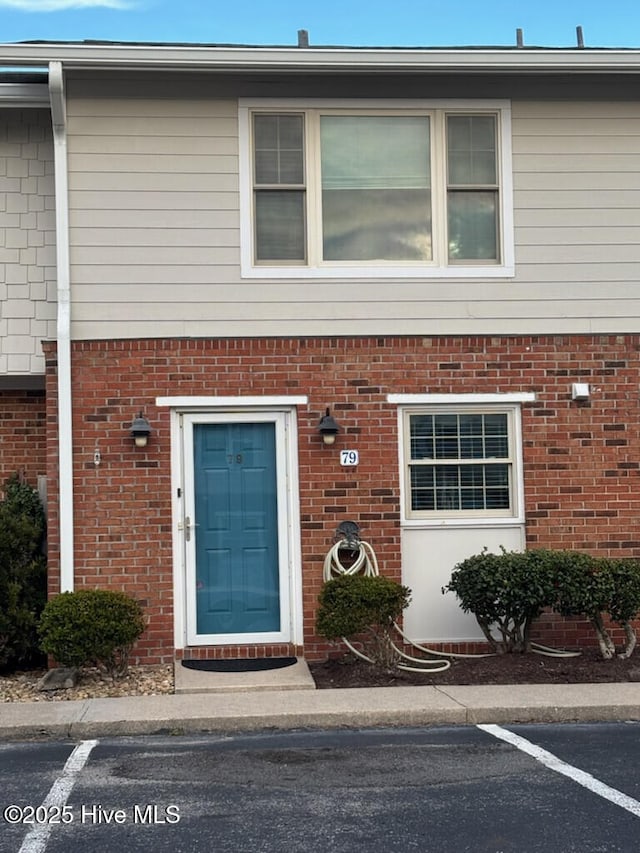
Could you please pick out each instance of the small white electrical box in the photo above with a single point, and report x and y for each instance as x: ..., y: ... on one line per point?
x: 580, y: 391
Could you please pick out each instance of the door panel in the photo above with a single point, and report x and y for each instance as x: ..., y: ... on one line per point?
x: 237, y: 585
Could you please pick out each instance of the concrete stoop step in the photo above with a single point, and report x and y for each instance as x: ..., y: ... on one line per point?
x: 294, y: 677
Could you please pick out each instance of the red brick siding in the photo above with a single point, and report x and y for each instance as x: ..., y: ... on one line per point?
x: 582, y: 460
x: 558, y: 632
x: 22, y: 435
x: 253, y: 651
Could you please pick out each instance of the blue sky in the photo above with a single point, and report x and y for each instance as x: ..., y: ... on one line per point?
x: 402, y: 23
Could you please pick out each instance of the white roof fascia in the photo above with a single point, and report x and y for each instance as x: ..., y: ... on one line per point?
x: 24, y: 95
x: 372, y: 60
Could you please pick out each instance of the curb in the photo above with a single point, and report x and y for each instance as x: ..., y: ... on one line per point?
x: 304, y: 709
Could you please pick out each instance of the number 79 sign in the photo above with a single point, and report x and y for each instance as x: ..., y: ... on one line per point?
x: 348, y: 457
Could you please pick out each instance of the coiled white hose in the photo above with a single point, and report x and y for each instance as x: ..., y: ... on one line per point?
x: 366, y: 563
x: 366, y: 559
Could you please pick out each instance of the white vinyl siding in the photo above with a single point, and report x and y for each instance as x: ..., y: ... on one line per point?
x: 155, y: 232
x: 576, y: 182
x: 153, y: 209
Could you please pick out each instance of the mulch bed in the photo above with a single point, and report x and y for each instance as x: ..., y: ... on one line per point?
x: 501, y: 669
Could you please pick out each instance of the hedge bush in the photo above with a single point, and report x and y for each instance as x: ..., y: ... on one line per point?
x: 364, y: 607
x: 592, y: 587
x: 506, y: 592
x: 583, y: 589
x: 23, y: 575
x: 91, y: 627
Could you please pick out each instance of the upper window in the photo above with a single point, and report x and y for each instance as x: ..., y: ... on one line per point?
x: 373, y: 191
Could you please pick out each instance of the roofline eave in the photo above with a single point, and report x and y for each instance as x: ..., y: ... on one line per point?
x: 24, y: 95
x: 363, y: 60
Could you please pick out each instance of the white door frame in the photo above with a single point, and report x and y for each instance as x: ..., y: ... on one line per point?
x: 185, y: 412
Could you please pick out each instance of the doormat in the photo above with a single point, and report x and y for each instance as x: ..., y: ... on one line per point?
x: 238, y: 664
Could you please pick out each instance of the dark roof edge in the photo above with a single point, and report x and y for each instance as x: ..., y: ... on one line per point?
x: 249, y: 46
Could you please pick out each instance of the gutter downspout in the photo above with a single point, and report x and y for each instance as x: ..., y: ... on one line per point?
x: 65, y: 452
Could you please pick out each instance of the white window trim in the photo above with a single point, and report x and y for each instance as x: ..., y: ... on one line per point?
x: 463, y: 403
x: 460, y: 399
x: 232, y: 403
x: 248, y: 269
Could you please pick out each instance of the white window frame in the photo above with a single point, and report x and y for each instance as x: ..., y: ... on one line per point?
x: 421, y: 404
x: 313, y: 267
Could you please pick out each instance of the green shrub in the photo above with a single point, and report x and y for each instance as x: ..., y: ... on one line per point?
x: 22, y: 500
x: 91, y: 627
x: 624, y: 605
x: 591, y: 587
x: 367, y: 607
x: 582, y: 589
x: 505, y: 592
x: 23, y: 574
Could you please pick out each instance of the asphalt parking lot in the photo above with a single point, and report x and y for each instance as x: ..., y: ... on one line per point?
x: 442, y: 789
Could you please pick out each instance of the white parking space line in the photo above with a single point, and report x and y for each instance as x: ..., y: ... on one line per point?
x: 554, y: 763
x: 36, y: 839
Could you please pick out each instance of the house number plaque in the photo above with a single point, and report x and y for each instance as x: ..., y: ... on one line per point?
x: 348, y: 457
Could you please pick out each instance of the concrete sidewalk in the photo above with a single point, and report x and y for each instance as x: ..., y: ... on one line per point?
x: 292, y: 709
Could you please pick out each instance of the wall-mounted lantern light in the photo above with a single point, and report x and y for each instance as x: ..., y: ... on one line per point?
x: 140, y: 430
x: 328, y: 428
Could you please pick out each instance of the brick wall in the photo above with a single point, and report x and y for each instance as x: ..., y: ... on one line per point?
x: 581, y: 460
x: 22, y: 435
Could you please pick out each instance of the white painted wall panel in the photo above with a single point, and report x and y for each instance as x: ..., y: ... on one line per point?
x: 428, y: 558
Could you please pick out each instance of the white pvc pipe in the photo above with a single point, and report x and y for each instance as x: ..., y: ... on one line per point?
x: 65, y: 454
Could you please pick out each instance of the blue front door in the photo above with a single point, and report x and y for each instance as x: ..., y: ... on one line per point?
x: 236, y: 515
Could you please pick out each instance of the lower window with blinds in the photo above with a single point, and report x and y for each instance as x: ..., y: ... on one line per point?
x: 460, y: 463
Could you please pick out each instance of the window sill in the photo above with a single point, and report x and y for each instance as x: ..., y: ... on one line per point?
x: 485, y: 272
x: 465, y: 521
